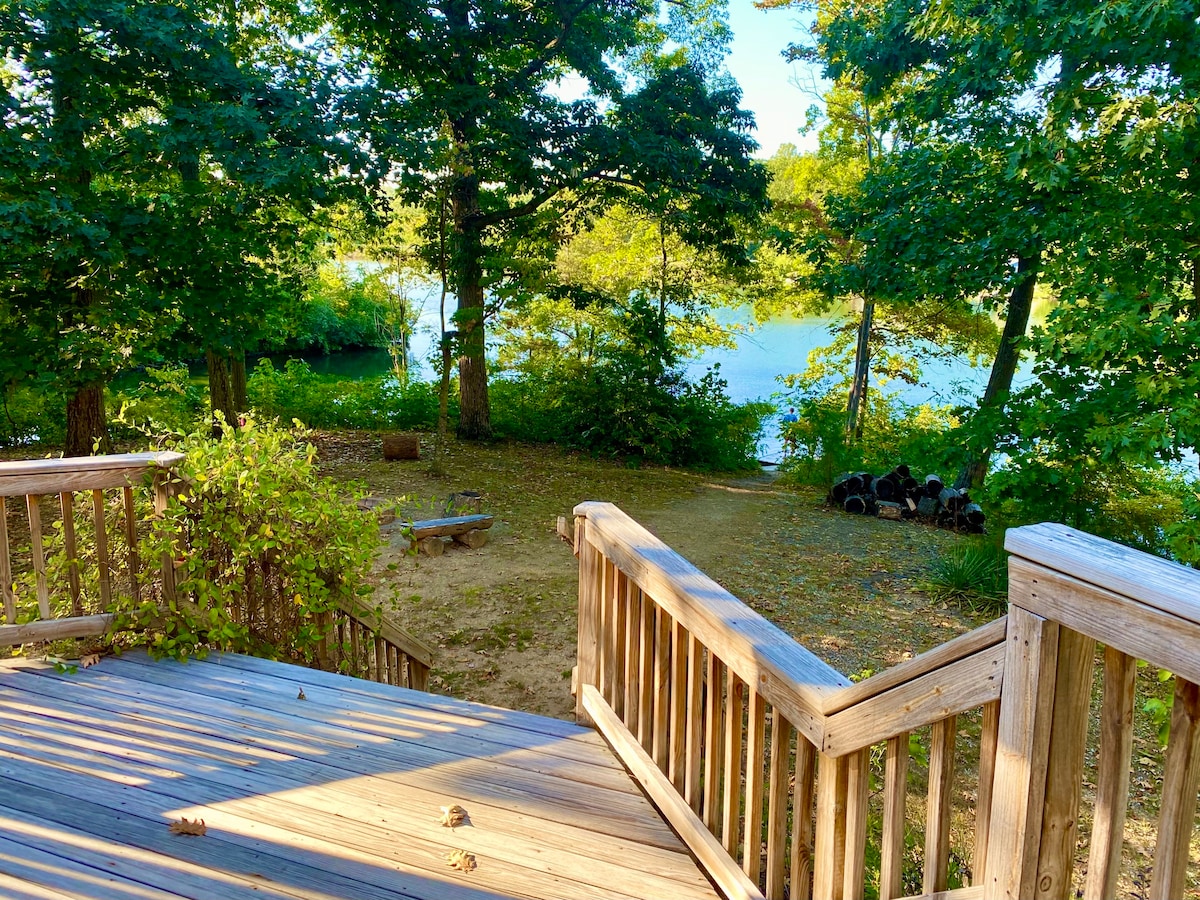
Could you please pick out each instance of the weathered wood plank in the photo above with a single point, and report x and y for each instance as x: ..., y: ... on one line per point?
x: 103, y: 562
x: 1064, y: 772
x: 54, y: 629
x: 787, y: 675
x: 1177, y: 814
x: 6, y: 584
x: 447, y: 527
x: 1026, y: 711
x: 1143, y: 632
x: 756, y: 751
x: 804, y: 779
x: 714, y: 741
x: 731, y: 783
x: 829, y: 857
x: 962, y: 685
x: 989, y: 732
x: 1112, y: 779
x: 857, y: 785
x: 33, y: 512
x: 969, y: 644
x: 777, y: 806
x: 49, y: 476
x: 677, y: 757
x: 895, y: 796
x: 66, y: 505
x: 660, y: 723
x: 695, y: 723
x: 938, y: 805
x: 717, y: 862
x: 587, y: 653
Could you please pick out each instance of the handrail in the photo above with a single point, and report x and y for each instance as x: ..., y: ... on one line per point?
x: 768, y: 746
x: 359, y: 641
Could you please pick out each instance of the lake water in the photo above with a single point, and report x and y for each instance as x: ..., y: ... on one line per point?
x: 751, y: 369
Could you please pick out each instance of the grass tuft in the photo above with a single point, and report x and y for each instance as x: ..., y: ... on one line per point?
x: 974, y: 575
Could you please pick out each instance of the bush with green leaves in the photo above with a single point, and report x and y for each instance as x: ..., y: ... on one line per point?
x: 263, y: 547
x: 158, y: 400
x: 374, y: 404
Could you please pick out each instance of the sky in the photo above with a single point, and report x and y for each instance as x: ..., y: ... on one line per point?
x: 770, y: 85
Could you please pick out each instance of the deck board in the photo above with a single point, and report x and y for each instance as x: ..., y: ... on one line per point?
x: 332, y: 797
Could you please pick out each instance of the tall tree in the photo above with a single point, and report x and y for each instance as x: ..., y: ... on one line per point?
x: 137, y: 153
x: 481, y: 107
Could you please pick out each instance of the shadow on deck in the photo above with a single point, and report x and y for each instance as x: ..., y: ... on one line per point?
x: 336, y: 795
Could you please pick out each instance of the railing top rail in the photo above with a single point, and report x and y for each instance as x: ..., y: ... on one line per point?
x: 1139, y: 576
x: 786, y: 674
x: 160, y: 460
x: 80, y: 473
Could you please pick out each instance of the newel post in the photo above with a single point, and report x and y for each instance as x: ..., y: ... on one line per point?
x: 591, y: 570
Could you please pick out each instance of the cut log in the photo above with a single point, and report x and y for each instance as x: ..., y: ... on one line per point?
x: 973, y: 514
x: 951, y: 500
x: 860, y: 504
x: 887, y: 488
x: 472, y: 539
x: 927, y: 507
x: 401, y: 446
x: 432, y: 546
x: 465, y: 500
x: 841, y: 489
x: 903, y: 471
x: 911, y: 486
x: 889, y: 510
x: 933, y: 486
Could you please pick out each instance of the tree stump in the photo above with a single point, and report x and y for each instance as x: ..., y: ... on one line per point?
x: 432, y: 546
x: 472, y: 539
x: 401, y: 446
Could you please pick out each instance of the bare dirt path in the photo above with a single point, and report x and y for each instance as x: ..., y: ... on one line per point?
x: 502, y: 618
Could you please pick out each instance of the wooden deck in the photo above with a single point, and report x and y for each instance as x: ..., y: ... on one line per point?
x: 336, y: 795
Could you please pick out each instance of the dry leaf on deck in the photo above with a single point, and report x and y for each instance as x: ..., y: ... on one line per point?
x: 453, y: 815
x: 183, y: 826
x: 89, y: 660
x: 461, y: 859
x: 300, y: 696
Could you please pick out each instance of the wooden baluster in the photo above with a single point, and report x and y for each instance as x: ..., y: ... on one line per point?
x: 418, y: 675
x: 395, y: 666
x: 988, y: 734
x: 1112, y: 776
x: 325, y: 642
x: 619, y: 642
x: 858, y: 777
x: 586, y: 653
x: 1181, y: 776
x: 162, y: 497
x: 695, y: 723
x: 1027, y: 705
x: 677, y: 756
x: 1064, y: 772
x: 6, y: 583
x: 777, y: 805
x: 756, y: 751
x: 357, y: 668
x: 662, y: 688
x: 103, y: 564
x: 895, y: 795
x: 131, y: 544
x: 804, y: 784
x: 714, y: 741
x: 731, y: 800
x: 607, y: 639
x: 645, y: 729
x: 66, y: 503
x: 829, y: 854
x: 633, y: 634
x: 34, y: 512
x: 937, y: 806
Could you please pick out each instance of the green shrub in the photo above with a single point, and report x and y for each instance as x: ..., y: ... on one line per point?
x: 31, y: 415
x: 263, y: 546
x: 373, y: 404
x: 974, y: 574
x: 157, y: 401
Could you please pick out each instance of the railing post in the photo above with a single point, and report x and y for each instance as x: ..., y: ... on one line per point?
x: 162, y: 496
x: 591, y: 570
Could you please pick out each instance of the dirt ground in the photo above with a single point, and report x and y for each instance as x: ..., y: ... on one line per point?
x: 502, y: 618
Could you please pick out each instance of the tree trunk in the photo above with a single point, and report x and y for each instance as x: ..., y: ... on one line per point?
x: 220, y: 390
x: 87, y: 425
x: 475, y: 418
x: 856, y: 406
x: 1008, y: 356
x: 237, y: 380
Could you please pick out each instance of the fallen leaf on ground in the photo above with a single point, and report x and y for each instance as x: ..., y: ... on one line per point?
x: 461, y: 859
x: 90, y: 660
x: 300, y: 696
x: 183, y: 826
x: 453, y: 815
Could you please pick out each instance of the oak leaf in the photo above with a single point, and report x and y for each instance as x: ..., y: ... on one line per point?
x: 453, y: 816
x: 461, y: 859
x: 184, y: 826
x: 89, y: 660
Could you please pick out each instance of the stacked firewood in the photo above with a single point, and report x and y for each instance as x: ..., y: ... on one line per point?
x: 898, y: 495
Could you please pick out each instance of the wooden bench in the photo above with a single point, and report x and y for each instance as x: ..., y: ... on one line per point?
x: 470, y: 531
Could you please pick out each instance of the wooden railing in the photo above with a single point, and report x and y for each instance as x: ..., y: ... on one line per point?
x: 74, y: 601
x: 761, y: 755
x: 68, y: 593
